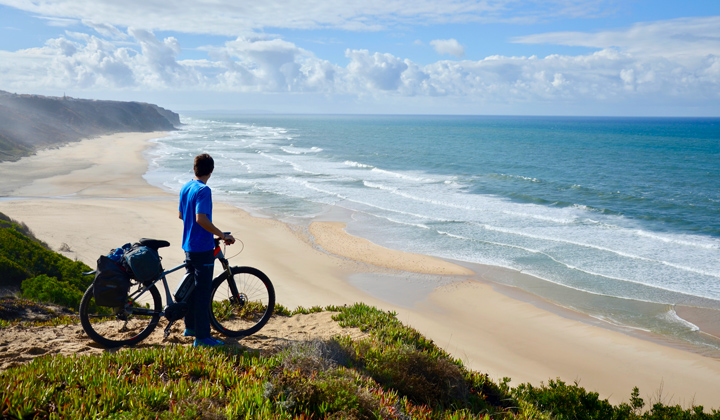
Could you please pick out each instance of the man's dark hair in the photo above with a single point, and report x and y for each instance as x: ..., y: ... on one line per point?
x: 204, y: 165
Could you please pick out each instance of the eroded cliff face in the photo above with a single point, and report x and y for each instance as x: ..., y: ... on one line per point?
x: 32, y: 122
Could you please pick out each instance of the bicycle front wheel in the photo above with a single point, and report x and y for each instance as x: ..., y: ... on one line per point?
x: 121, y: 326
x: 242, y: 303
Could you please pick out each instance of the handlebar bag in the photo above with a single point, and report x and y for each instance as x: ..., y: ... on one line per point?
x: 111, y: 284
x: 143, y: 262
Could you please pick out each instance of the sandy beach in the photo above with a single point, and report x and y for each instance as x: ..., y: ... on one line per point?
x: 91, y: 196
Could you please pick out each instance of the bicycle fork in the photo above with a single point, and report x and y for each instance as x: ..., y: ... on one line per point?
x: 235, y: 296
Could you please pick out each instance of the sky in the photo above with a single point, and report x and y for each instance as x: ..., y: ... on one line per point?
x: 482, y: 57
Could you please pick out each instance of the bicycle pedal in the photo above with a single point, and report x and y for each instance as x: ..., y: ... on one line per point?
x: 167, y: 329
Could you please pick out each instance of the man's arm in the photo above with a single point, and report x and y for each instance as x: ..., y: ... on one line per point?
x: 202, y: 220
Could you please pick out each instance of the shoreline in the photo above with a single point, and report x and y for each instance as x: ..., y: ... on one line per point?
x: 331, y: 236
x: 92, y: 196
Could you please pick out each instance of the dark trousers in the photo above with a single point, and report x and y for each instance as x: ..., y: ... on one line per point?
x: 198, y: 315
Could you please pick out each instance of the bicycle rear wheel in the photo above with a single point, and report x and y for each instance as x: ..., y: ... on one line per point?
x: 121, y: 326
x: 243, y: 303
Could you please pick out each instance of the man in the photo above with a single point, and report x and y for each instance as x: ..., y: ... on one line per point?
x: 198, y: 244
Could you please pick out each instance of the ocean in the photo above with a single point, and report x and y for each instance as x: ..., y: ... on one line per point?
x: 617, y: 218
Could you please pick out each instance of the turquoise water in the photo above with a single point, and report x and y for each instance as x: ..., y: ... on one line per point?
x: 619, y: 213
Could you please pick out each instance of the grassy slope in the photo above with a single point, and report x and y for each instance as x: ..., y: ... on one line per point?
x: 394, y: 373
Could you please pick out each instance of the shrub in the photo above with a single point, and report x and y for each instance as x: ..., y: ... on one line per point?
x: 12, y: 272
x: 566, y: 401
x: 423, y: 378
x: 40, y: 273
x: 335, y: 393
x: 49, y: 289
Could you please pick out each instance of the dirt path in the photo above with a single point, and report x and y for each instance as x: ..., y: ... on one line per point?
x: 20, y: 344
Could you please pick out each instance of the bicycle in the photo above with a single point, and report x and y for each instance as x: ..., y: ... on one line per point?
x: 243, y: 300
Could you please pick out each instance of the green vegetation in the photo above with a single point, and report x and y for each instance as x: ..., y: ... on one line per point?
x: 392, y: 373
x: 40, y: 274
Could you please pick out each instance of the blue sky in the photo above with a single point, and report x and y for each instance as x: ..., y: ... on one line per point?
x: 510, y: 57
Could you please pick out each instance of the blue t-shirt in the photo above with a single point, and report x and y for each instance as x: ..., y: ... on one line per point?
x: 195, y: 198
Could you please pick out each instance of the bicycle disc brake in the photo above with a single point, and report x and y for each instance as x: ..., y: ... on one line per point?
x: 240, y: 300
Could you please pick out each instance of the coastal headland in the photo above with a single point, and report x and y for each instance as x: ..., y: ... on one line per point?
x: 33, y: 122
x: 91, y: 196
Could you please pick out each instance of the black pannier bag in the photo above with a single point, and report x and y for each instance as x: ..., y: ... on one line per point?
x: 111, y: 284
x: 143, y: 263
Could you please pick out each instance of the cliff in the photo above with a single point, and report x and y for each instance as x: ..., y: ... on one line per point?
x: 32, y: 122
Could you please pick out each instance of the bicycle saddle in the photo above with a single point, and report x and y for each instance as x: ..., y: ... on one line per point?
x: 154, y: 243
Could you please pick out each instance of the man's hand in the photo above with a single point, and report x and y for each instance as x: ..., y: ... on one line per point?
x: 228, y: 239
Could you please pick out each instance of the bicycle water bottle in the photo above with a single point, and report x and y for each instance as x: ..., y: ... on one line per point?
x: 185, y: 287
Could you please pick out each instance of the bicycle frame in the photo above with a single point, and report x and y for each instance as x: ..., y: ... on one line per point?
x: 170, y: 303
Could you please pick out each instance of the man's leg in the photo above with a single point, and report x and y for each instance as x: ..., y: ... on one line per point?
x: 190, y: 314
x: 198, y: 317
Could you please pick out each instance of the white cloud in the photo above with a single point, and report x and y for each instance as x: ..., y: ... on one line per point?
x: 273, y: 65
x: 90, y: 63
x: 232, y: 18
x: 87, y: 62
x: 375, y: 71
x: 108, y: 31
x: 157, y: 63
x: 262, y: 64
x: 669, y: 38
x: 59, y: 22
x: 448, y: 46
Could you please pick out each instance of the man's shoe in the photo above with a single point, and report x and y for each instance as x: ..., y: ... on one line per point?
x: 207, y: 342
x: 189, y: 333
